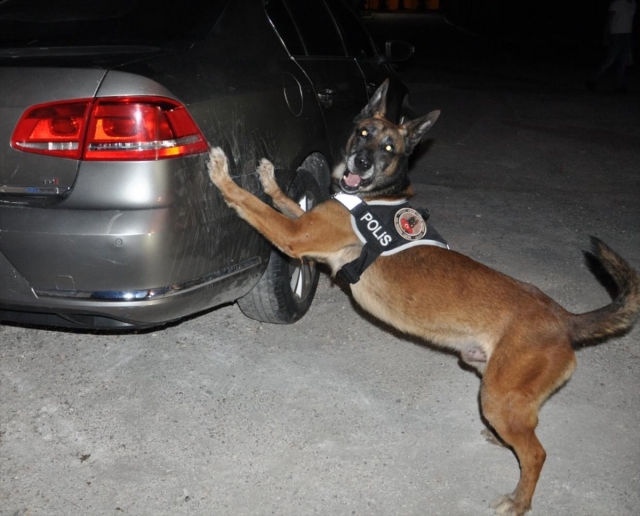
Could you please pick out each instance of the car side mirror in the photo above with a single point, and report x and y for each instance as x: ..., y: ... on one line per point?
x: 396, y: 51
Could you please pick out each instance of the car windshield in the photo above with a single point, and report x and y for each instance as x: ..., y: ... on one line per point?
x: 105, y: 22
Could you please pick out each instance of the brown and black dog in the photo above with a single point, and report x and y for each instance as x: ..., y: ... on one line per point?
x: 519, y: 339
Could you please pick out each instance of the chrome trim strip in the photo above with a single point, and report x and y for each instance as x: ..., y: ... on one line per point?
x: 154, y: 293
x: 33, y: 190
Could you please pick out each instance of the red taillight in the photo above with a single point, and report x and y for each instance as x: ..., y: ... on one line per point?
x: 141, y: 129
x: 120, y: 128
x: 55, y: 129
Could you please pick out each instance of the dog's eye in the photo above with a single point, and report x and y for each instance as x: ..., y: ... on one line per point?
x: 388, y: 147
x: 364, y: 133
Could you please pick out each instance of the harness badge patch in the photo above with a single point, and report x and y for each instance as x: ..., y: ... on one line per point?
x: 409, y: 224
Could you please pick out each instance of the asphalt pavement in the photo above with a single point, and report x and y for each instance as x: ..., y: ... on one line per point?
x: 336, y: 415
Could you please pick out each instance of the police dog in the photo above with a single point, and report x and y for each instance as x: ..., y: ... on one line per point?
x: 519, y: 339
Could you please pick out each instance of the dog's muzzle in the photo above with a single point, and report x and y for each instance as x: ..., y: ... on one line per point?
x: 358, y: 173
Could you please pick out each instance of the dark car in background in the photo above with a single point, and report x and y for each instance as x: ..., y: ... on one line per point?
x: 107, y: 110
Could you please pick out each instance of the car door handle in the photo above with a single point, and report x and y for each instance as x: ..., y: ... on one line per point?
x: 325, y: 96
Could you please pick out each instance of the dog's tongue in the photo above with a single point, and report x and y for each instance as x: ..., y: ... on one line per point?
x: 352, y: 180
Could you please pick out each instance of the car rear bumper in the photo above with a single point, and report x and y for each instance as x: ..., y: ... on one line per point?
x: 21, y: 303
x: 106, y: 268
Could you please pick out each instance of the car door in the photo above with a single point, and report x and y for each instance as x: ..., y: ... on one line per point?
x: 358, y: 44
x: 374, y: 68
x: 313, y: 39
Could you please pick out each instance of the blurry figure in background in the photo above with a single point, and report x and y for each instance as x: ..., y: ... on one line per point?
x: 619, y: 31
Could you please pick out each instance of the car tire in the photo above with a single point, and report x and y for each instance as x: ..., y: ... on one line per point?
x: 286, y: 289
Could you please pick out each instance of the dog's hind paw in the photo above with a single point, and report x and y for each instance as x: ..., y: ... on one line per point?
x: 218, y: 166
x: 507, y: 506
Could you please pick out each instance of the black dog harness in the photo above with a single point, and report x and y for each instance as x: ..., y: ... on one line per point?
x: 385, y: 228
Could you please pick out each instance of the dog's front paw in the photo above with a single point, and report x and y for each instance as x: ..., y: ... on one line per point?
x: 218, y: 166
x: 507, y: 506
x: 266, y: 173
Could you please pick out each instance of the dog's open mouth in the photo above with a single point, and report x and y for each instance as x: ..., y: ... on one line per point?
x: 353, y: 182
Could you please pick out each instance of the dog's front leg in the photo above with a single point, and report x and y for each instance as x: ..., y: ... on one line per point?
x: 280, y: 200
x: 277, y: 228
x: 323, y: 234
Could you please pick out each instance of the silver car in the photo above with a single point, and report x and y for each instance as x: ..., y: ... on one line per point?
x: 107, y: 110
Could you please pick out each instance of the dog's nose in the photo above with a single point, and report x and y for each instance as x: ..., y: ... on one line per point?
x: 362, y: 162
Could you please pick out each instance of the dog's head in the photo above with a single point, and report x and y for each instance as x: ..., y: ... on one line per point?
x: 378, y: 150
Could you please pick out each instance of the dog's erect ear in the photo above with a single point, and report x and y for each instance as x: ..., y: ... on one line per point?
x: 415, y: 130
x: 377, y: 106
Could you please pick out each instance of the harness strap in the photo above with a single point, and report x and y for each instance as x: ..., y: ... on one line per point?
x: 352, y: 271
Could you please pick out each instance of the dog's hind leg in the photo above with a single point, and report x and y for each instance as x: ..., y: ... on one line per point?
x: 511, y: 395
x: 515, y: 421
x: 284, y: 204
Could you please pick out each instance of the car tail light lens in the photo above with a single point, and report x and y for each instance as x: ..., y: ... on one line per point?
x: 119, y: 128
x: 55, y: 129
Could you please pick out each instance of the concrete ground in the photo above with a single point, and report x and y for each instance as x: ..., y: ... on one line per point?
x: 336, y: 415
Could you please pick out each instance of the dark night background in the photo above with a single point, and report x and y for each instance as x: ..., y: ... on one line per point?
x: 562, y: 20
x: 567, y: 35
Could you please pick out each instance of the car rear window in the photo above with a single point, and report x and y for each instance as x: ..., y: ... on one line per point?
x: 105, y: 22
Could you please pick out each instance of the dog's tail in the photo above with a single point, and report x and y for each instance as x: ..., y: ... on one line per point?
x: 618, y: 316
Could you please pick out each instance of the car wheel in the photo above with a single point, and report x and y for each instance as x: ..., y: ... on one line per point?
x: 286, y: 289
